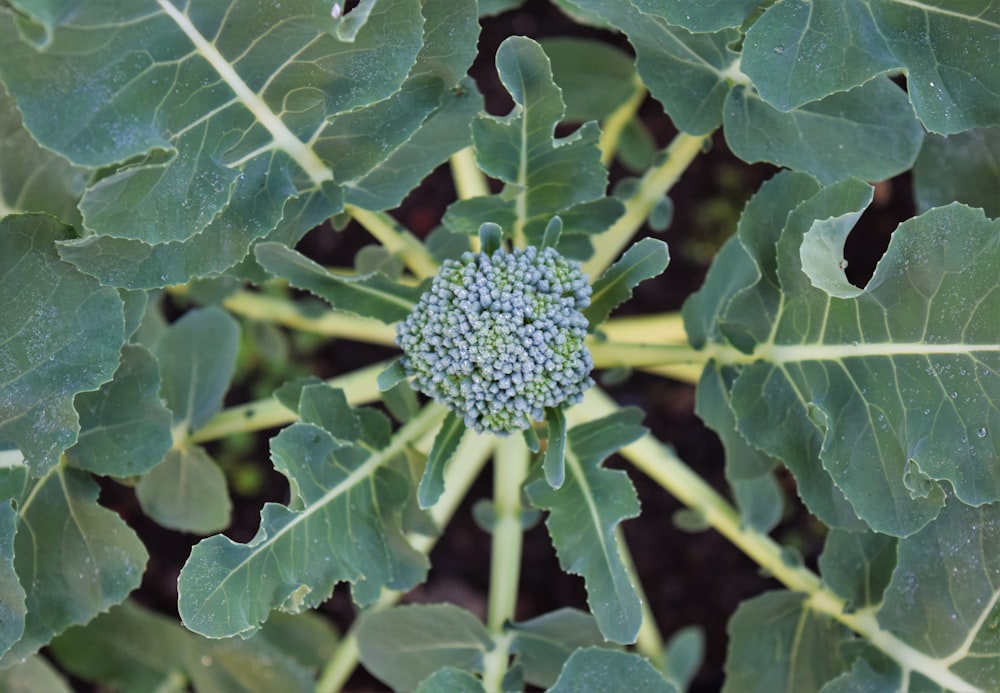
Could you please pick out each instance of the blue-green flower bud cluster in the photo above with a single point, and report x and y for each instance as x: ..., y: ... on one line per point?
x: 499, y: 337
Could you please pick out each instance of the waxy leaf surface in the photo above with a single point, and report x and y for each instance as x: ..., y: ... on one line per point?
x: 62, y: 335
x: 583, y: 515
x: 343, y: 524
x: 73, y: 557
x: 596, y: 670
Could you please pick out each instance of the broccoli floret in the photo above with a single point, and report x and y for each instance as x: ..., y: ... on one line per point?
x: 498, y: 337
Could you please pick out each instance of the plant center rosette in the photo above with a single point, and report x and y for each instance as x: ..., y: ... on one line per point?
x: 499, y: 337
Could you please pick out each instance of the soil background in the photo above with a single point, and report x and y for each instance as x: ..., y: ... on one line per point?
x: 689, y: 579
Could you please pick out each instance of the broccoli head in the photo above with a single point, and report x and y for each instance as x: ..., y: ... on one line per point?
x: 498, y: 337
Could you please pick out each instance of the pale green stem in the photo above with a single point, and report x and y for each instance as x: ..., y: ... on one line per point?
x: 615, y: 354
x: 661, y: 464
x: 396, y: 239
x: 649, y: 641
x: 614, y: 124
x: 663, y: 328
x: 654, y: 185
x: 510, y: 467
x: 460, y: 473
x: 469, y: 179
x: 283, y: 311
x: 358, y: 386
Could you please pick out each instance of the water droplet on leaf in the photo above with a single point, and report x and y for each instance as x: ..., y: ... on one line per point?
x: 981, y: 432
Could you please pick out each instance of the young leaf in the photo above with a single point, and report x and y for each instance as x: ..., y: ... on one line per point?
x: 684, y: 654
x: 554, y: 462
x: 63, y: 333
x: 187, y: 491
x: 404, y: 645
x: 450, y: 680
x: 73, y: 557
x: 858, y: 565
x: 545, y: 176
x: 33, y: 674
x: 644, y: 260
x: 301, y: 552
x: 445, y: 443
x: 800, y: 51
x: 373, y: 295
x: 394, y: 374
x: 583, y: 514
x: 546, y: 642
x: 125, y: 429
x: 596, y: 670
x: 595, y: 77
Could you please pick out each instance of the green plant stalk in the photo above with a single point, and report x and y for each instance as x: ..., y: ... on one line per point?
x: 359, y: 387
x: 654, y: 185
x: 661, y: 464
x: 396, y: 239
x: 662, y: 328
x: 330, y: 323
x: 460, y: 473
x: 509, y: 471
x: 469, y: 180
x: 614, y: 124
x: 608, y: 354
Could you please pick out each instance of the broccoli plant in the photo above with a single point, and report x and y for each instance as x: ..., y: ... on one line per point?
x: 245, y: 390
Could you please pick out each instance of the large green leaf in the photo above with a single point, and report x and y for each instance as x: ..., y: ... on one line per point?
x: 133, y: 649
x: 545, y: 643
x: 33, y: 179
x: 12, y: 595
x: 583, y: 515
x: 892, y: 388
x: 343, y: 524
x: 858, y: 565
x: 404, y: 645
x: 33, y: 675
x: 125, y: 428
x: 545, y: 176
x: 73, y: 557
x: 62, y: 335
x: 230, y: 123
x: 801, y: 51
x: 944, y: 596
x: 186, y: 491
x: 700, y: 15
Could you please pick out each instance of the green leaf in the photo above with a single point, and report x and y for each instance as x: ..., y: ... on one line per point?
x: 644, y: 260
x: 197, y: 356
x: 583, y: 514
x: 125, y: 429
x: 33, y: 675
x: 554, y: 460
x: 346, y: 508
x: 393, y: 375
x: 700, y: 15
x: 133, y: 649
x: 373, y: 295
x: 801, y: 51
x: 545, y: 643
x: 596, y: 670
x: 450, y: 680
x: 594, y: 77
x: 964, y: 167
x: 868, y: 132
x: 12, y: 595
x: 187, y: 491
x: 34, y: 179
x: 404, y: 645
x: 944, y: 596
x: 690, y: 74
x: 63, y: 333
x: 864, y: 383
x: 73, y: 557
x: 776, y: 643
x: 858, y: 565
x: 445, y: 443
x: 684, y: 654
x: 545, y: 176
